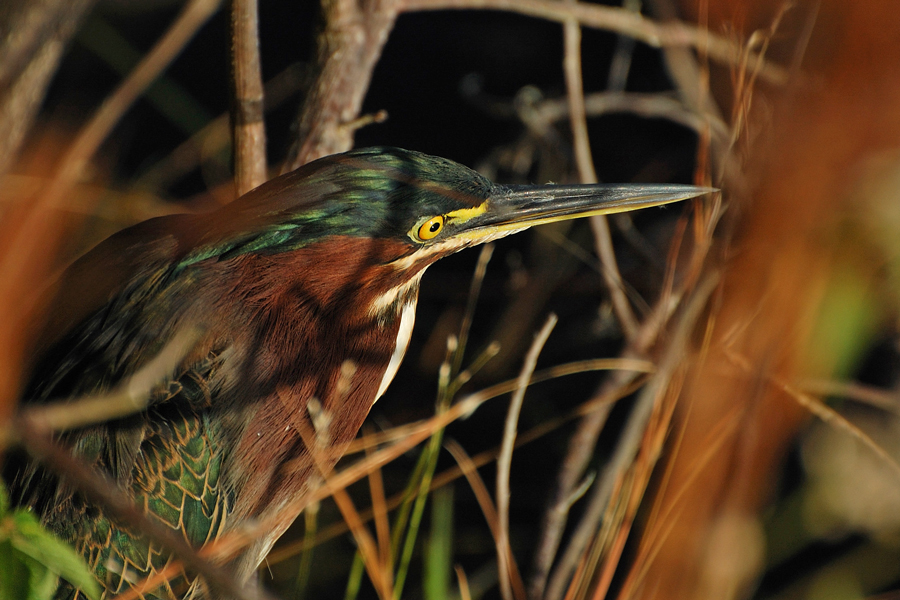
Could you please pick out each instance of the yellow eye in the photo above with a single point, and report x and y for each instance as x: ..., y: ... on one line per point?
x: 430, y: 228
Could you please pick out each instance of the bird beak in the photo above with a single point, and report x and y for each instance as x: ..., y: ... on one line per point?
x: 514, y: 208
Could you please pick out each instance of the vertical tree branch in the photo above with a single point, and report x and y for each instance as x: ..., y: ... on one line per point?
x: 349, y: 48
x: 587, y: 174
x: 248, y: 127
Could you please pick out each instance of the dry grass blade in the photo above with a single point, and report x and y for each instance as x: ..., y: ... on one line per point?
x: 504, y: 461
x: 489, y: 511
x: 380, y: 515
x: 464, y: 592
x: 482, y: 458
x: 368, y: 548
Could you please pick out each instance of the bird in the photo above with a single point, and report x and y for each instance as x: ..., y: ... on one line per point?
x: 302, y: 296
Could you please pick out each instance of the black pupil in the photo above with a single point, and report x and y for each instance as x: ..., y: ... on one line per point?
x: 434, y: 227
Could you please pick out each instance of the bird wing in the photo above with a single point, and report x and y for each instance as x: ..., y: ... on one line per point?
x: 116, y: 308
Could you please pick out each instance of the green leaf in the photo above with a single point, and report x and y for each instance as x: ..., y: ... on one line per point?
x: 14, y: 574
x: 439, y: 548
x: 35, y: 542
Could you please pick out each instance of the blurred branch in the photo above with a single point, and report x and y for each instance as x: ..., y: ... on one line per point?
x: 215, y: 135
x: 650, y: 106
x: 130, y: 397
x: 247, y: 111
x: 33, y: 35
x: 587, y: 174
x: 194, y: 15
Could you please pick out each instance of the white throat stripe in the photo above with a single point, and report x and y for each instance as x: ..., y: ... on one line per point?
x: 404, y: 333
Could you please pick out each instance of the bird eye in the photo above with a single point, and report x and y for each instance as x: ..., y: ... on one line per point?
x: 430, y: 228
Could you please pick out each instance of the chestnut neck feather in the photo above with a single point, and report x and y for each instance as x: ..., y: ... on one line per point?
x: 292, y: 337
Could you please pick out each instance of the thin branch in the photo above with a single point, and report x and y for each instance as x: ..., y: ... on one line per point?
x: 618, y: 20
x: 249, y: 129
x: 587, y: 174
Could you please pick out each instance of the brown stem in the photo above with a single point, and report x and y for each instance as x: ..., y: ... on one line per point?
x: 249, y: 129
x: 349, y: 48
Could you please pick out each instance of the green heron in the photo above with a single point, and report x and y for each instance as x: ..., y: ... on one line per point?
x: 313, y: 271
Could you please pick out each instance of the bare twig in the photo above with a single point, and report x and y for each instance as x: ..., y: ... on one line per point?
x: 587, y: 174
x: 247, y: 112
x: 619, y: 20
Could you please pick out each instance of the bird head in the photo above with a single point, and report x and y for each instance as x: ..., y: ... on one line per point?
x: 427, y: 206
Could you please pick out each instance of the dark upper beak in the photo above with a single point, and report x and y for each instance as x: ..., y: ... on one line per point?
x: 511, y: 208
